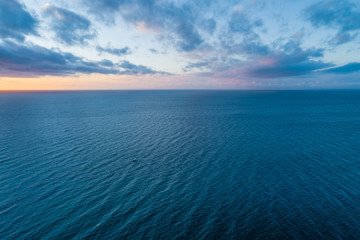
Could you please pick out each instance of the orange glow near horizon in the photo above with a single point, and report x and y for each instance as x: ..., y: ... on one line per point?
x: 83, y: 82
x: 117, y: 82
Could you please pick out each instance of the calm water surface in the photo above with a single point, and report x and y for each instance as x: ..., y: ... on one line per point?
x: 180, y: 165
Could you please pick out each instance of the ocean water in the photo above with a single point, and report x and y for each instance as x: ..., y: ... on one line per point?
x: 180, y: 165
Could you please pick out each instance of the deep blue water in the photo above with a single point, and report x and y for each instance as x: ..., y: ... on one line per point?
x: 180, y: 165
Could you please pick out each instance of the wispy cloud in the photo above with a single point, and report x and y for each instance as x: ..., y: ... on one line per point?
x: 196, y: 65
x: 347, y: 68
x: 69, y: 27
x: 172, y: 19
x: 114, y: 51
x: 133, y: 69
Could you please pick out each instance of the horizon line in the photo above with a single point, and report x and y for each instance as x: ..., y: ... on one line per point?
x: 173, y: 89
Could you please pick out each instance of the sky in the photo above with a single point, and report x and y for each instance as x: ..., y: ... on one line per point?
x: 179, y: 44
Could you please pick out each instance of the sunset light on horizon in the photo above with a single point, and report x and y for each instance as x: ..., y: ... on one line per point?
x: 172, y: 44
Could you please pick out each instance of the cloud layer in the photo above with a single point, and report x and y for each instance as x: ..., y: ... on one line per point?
x: 19, y: 60
x: 171, y: 20
x: 218, y: 40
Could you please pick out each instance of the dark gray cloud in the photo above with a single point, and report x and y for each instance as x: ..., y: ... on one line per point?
x: 15, y: 21
x: 69, y: 27
x: 341, y: 15
x: 28, y: 60
x: 114, y: 51
x: 348, y: 68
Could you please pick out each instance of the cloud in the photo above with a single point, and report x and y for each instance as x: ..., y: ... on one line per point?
x: 208, y: 25
x: 249, y: 43
x: 132, y: 69
x: 240, y: 53
x: 342, y: 15
x: 15, y: 21
x: 190, y: 38
x: 282, y: 69
x: 341, y: 38
x: 219, y: 40
x: 69, y: 27
x: 250, y: 47
x: 153, y: 50
x: 288, y: 60
x: 239, y: 23
x: 261, y: 61
x: 347, y: 68
x: 171, y: 20
x: 114, y: 51
x: 28, y: 60
x: 196, y: 65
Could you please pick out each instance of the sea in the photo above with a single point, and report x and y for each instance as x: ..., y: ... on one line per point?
x: 180, y: 164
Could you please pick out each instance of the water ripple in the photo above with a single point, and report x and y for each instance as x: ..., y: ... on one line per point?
x: 180, y: 165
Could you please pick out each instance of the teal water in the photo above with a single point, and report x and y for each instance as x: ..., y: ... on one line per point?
x: 180, y: 165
